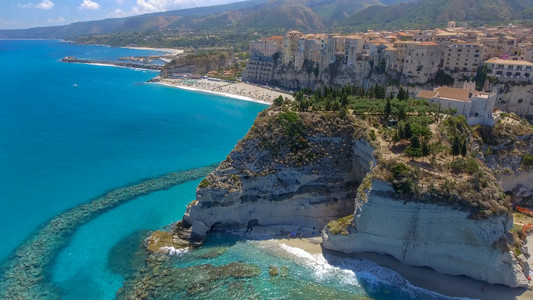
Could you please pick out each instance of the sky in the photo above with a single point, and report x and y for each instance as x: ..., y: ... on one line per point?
x: 15, y: 14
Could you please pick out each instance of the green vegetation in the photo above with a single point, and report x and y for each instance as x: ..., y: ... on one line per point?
x: 204, y: 184
x: 431, y: 13
x: 341, y: 225
x: 527, y: 161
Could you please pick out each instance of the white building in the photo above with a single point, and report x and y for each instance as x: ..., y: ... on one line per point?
x: 476, y: 106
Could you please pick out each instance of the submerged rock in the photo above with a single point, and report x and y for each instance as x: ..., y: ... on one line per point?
x: 128, y: 255
x: 166, y: 281
x: 273, y: 271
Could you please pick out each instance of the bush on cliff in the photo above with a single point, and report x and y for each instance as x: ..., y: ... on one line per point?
x: 340, y: 226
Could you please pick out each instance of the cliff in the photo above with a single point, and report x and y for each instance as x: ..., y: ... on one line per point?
x: 290, y: 170
x: 426, y: 234
x: 508, y: 150
x: 309, y: 162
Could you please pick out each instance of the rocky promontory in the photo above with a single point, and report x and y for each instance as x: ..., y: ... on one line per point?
x: 418, y: 189
x: 290, y: 170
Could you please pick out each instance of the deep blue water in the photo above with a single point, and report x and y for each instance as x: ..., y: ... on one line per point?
x: 71, y: 132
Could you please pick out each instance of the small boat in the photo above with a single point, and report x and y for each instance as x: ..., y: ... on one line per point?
x: 75, y: 85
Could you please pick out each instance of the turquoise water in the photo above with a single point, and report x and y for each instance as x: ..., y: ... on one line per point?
x: 71, y: 132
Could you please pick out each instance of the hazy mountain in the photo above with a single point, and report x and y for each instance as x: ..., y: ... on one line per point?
x: 253, y: 15
x: 430, y: 13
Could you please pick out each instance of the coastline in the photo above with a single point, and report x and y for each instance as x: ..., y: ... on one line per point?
x: 171, y: 51
x: 421, y: 277
x: 237, y: 90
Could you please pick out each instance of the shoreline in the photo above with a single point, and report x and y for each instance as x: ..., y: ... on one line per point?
x: 171, y: 51
x: 237, y: 90
x: 420, y: 277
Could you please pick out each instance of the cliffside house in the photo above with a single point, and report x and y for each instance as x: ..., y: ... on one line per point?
x: 476, y: 106
x: 512, y: 69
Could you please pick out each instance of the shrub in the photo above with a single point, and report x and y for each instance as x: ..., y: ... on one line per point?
x: 204, y: 183
x: 340, y: 225
x: 472, y: 166
x: 372, y: 135
x: 527, y: 160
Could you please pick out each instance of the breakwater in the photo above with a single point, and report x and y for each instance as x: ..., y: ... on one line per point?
x: 125, y: 64
x: 24, y: 274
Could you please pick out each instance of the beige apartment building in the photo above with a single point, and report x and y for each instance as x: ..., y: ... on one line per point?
x: 510, y: 69
x: 463, y: 57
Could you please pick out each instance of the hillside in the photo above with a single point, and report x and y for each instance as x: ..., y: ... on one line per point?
x: 267, y: 16
x: 429, y: 13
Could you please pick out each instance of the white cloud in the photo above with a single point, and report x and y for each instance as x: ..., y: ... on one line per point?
x: 146, y: 6
x: 88, y: 4
x: 45, y: 4
x: 149, y: 6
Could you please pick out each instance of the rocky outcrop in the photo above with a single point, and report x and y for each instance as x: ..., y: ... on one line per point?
x: 305, y: 175
x: 504, y: 148
x: 439, y: 237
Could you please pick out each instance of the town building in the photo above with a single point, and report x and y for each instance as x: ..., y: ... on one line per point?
x: 510, y: 69
x: 476, y: 106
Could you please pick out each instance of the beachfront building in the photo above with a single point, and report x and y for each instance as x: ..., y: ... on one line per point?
x: 261, y: 63
x: 510, y: 69
x: 476, y: 106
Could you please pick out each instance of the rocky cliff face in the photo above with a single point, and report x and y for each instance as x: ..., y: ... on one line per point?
x: 306, y: 169
x: 291, y: 169
x: 503, y: 148
x: 430, y: 235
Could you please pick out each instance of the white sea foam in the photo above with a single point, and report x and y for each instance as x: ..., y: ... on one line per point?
x: 322, y: 269
x: 351, y: 271
x: 174, y: 251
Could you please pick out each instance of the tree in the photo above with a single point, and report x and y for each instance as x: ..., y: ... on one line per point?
x: 435, y: 149
x: 464, y: 148
x: 456, y: 146
x: 401, y: 93
x: 388, y: 109
x: 415, y: 142
x: 407, y: 132
x: 425, y: 148
x: 278, y: 101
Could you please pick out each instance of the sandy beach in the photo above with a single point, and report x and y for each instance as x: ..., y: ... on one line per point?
x: 168, y: 50
x: 238, y: 90
x: 423, y: 277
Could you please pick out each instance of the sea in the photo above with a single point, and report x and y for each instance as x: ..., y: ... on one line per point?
x: 72, y: 133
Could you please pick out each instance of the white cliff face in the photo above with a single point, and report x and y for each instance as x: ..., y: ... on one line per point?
x: 264, y: 187
x: 421, y: 234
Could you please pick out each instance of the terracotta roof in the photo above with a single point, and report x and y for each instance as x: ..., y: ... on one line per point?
x: 500, y: 61
x: 294, y: 32
x: 453, y: 93
x: 426, y: 94
x: 445, y: 93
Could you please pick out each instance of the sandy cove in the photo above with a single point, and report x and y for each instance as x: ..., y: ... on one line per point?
x: 238, y: 90
x: 423, y: 277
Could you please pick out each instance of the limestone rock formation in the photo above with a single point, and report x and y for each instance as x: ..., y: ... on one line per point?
x: 291, y: 169
x: 426, y: 234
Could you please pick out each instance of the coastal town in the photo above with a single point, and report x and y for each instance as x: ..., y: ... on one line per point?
x: 287, y: 149
x: 412, y: 56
